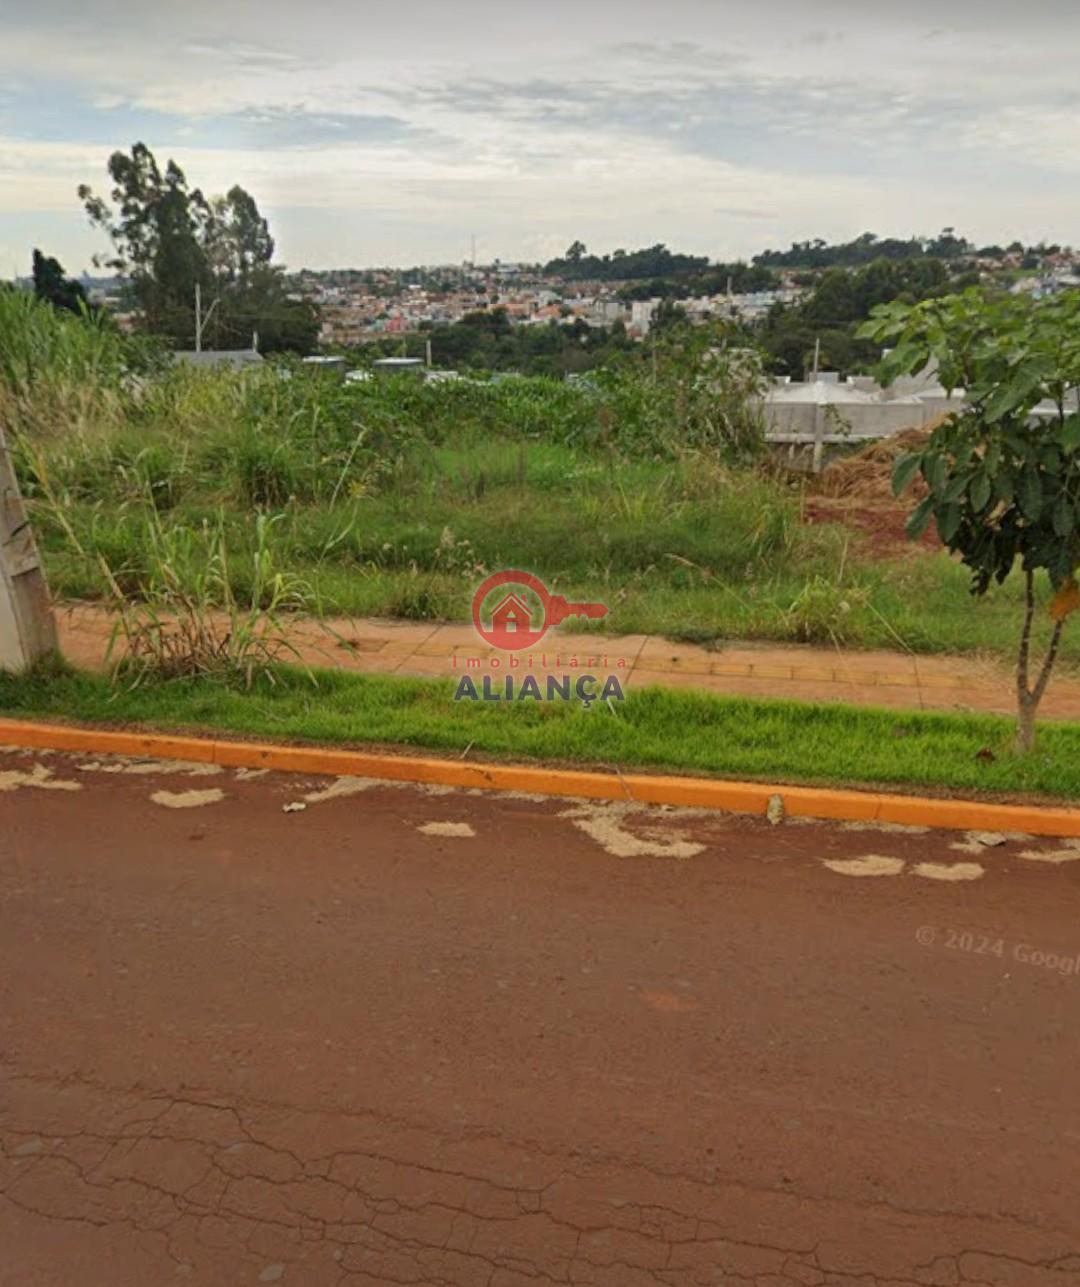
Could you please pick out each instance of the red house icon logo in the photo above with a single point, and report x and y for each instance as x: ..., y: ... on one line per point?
x: 514, y: 622
x: 511, y: 616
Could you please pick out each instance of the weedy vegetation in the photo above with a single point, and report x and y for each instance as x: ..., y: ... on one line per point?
x: 639, y: 486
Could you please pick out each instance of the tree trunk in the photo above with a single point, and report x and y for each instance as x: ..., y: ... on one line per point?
x: 1025, y: 718
x: 1025, y: 725
x: 1028, y: 698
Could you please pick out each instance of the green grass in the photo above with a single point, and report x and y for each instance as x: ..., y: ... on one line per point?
x: 655, y: 729
x: 732, y: 563
x: 394, y: 498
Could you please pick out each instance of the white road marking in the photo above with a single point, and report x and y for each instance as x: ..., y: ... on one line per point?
x: 977, y: 842
x: 188, y: 799
x: 39, y: 776
x: 1070, y: 853
x: 341, y: 787
x: 604, y: 824
x: 461, y: 829
x: 894, y: 828
x: 148, y: 768
x: 867, y: 865
x: 346, y: 786
x: 950, y: 870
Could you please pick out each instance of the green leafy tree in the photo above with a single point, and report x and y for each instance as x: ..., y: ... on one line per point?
x: 1002, y: 480
x: 237, y: 241
x: 168, y: 239
x: 838, y: 301
x: 154, y: 225
x: 51, y: 285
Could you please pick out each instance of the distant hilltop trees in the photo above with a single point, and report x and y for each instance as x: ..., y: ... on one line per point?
x: 624, y: 265
x: 659, y: 263
x: 864, y: 250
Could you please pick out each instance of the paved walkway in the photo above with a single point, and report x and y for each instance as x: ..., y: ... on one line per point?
x: 892, y: 679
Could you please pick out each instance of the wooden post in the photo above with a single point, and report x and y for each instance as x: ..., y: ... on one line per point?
x: 27, y: 626
x: 819, y: 440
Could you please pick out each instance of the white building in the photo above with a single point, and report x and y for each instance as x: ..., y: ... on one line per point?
x: 642, y: 312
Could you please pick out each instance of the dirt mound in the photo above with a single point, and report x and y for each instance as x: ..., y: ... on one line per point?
x: 868, y: 474
x: 857, y: 492
x: 880, y: 522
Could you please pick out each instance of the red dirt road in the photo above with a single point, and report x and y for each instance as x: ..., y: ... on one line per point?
x: 408, y: 1037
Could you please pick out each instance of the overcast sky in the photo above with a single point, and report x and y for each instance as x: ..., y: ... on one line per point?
x: 392, y: 133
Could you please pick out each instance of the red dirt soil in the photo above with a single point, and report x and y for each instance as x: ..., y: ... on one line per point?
x: 857, y: 492
x: 880, y: 523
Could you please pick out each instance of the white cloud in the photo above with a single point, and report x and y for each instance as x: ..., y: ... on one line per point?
x: 704, y: 123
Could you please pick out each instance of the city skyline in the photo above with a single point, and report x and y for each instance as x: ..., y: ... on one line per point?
x: 373, y: 137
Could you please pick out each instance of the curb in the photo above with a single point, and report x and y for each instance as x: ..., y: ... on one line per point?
x: 701, y: 793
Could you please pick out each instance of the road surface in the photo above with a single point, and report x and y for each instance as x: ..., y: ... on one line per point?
x: 417, y: 1036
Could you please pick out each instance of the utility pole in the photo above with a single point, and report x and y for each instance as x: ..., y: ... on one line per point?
x: 27, y: 627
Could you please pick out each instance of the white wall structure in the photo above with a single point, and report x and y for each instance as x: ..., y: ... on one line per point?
x: 826, y: 412
x: 27, y: 627
x: 641, y: 314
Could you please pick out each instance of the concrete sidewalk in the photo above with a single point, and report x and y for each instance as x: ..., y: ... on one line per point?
x: 898, y: 680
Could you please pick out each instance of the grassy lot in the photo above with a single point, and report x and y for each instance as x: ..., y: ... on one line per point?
x: 686, y: 548
x: 395, y: 497
x: 679, y: 731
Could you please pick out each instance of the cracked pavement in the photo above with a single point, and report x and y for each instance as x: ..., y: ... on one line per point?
x: 418, y: 1036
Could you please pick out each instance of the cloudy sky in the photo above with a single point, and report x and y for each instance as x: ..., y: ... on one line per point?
x: 392, y: 133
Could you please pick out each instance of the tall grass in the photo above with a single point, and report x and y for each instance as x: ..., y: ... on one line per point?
x: 262, y: 440
x: 61, y: 372
x: 184, y: 618
x: 394, y: 496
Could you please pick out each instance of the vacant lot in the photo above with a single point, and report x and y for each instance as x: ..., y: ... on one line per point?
x: 393, y: 498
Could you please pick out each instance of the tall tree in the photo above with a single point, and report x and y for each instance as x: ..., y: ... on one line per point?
x: 170, y: 238
x: 238, y: 240
x: 154, y: 230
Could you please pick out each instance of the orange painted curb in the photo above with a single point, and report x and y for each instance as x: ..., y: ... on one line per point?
x: 701, y: 793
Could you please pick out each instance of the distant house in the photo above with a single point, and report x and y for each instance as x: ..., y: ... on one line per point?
x: 208, y: 359
x: 511, y: 615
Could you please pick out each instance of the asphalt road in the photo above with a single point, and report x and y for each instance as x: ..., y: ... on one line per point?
x: 406, y: 1036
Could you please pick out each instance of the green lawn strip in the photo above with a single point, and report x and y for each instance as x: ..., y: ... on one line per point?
x: 677, y: 731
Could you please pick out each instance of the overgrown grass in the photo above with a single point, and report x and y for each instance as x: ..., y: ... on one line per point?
x: 394, y: 497
x: 59, y: 369
x: 687, y: 548
x: 680, y: 731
